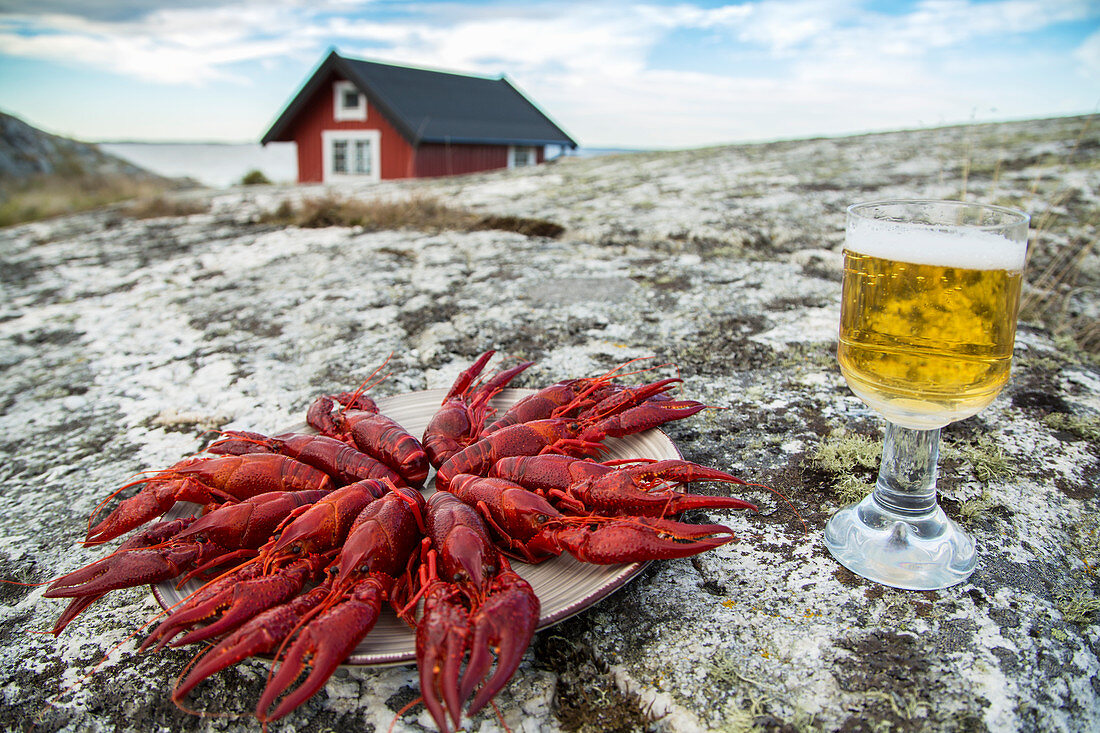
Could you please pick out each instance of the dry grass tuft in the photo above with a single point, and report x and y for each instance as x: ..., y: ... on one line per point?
x: 43, y: 197
x: 1063, y: 236
x: 163, y: 205
x: 422, y: 213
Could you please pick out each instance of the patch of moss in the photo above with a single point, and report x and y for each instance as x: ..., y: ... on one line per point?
x: 986, y: 457
x: 1078, y: 607
x: 852, y: 460
x: 842, y: 452
x: 973, y: 509
x: 850, y: 489
x: 1084, y: 427
x: 1085, y: 538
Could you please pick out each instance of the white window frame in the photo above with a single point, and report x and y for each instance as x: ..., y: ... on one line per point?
x: 531, y: 149
x: 329, y: 138
x: 345, y: 114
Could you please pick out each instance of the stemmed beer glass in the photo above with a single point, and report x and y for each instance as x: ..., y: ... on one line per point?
x: 927, y: 324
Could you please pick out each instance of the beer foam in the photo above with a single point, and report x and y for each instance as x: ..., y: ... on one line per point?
x: 966, y: 249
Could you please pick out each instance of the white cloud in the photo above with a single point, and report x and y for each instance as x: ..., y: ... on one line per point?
x: 172, y: 46
x: 1088, y: 56
x: 819, y: 66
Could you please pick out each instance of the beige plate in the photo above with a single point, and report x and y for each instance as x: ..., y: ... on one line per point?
x: 564, y: 585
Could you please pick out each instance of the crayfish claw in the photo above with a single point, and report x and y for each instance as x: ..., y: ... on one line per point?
x: 612, y: 540
x: 120, y: 570
x: 441, y: 637
x: 504, y: 623
x: 324, y: 643
x: 74, y: 609
x: 147, y: 504
x: 258, y: 636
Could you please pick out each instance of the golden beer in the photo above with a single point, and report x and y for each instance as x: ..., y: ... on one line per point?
x: 927, y: 325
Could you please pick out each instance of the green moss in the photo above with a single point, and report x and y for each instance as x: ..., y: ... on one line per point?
x: 1078, y: 608
x: 973, y: 509
x: 850, y: 489
x: 986, y: 457
x: 1085, y: 538
x: 841, y: 452
x: 852, y: 459
x: 1086, y: 428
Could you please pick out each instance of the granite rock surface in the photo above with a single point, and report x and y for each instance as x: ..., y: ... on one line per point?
x: 123, y: 342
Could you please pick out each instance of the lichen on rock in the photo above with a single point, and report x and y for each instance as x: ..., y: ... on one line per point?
x: 125, y: 340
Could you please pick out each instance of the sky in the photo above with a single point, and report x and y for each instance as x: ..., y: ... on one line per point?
x: 647, y: 74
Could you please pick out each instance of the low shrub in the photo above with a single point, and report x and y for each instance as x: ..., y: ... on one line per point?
x: 255, y: 177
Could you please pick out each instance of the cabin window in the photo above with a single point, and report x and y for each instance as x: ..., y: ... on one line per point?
x: 350, y: 103
x: 521, y: 156
x: 339, y: 156
x: 351, y: 155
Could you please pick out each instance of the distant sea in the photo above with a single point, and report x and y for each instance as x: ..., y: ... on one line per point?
x: 211, y: 164
x: 223, y: 164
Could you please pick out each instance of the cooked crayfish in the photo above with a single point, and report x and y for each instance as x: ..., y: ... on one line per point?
x: 460, y: 419
x: 645, y: 488
x: 203, y: 480
x: 358, y: 423
x: 375, y: 553
x: 475, y: 607
x: 172, y: 548
x: 344, y: 463
x: 529, y: 528
x: 282, y: 568
x: 315, y: 563
x: 629, y: 410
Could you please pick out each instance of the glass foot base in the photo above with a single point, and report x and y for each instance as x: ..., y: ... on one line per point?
x: 925, y: 552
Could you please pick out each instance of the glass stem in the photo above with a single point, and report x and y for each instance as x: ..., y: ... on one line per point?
x: 907, y: 476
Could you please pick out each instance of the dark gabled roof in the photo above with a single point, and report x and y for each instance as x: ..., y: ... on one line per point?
x: 433, y: 106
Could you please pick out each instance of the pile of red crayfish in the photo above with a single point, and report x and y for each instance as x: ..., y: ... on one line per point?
x: 303, y: 537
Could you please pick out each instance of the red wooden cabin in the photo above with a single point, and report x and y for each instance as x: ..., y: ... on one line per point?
x: 364, y: 120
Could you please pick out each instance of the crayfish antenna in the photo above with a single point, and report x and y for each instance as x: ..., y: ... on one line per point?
x: 367, y: 385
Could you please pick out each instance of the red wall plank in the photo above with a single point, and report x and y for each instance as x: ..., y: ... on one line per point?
x: 437, y: 159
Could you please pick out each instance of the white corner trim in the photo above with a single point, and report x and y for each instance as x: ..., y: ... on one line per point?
x: 341, y: 113
x: 330, y: 137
